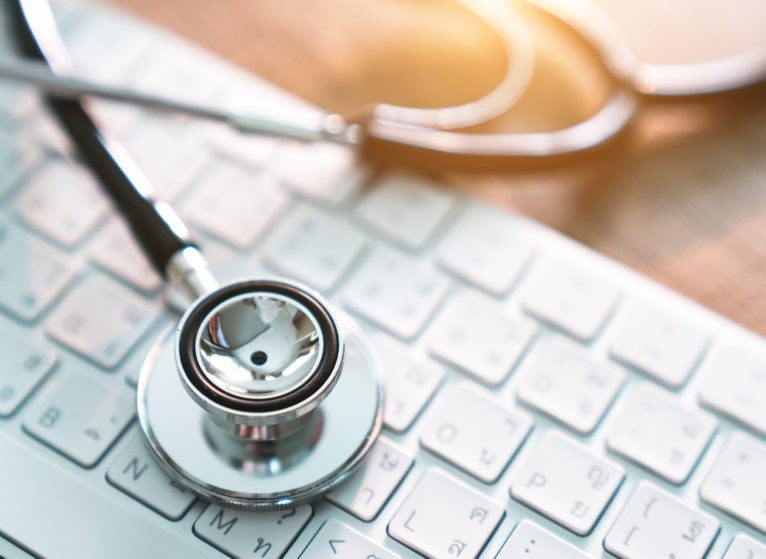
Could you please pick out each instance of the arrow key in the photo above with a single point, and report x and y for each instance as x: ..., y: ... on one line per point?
x: 337, y: 541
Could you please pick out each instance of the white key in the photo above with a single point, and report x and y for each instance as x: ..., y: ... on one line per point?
x: 745, y: 547
x: 16, y: 101
x: 115, y: 250
x: 242, y: 534
x: 321, y: 171
x: 563, y: 381
x: 24, y: 367
x: 485, y: 248
x: 105, y: 47
x: 654, y: 524
x: 249, y: 149
x: 410, y: 381
x: 660, y: 344
x: 566, y: 483
x: 736, y: 386
x: 658, y: 433
x: 475, y: 433
x: 32, y: 275
x: 101, y: 320
x: 736, y: 483
x: 337, y: 541
x: 18, y: 156
x: 475, y: 334
x: 573, y: 299
x: 529, y: 541
x: 62, y: 201
x: 234, y: 203
x: 170, y: 156
x: 137, y: 474
x: 316, y: 248
x: 444, y: 518
x: 397, y: 292
x: 405, y: 209
x: 78, y: 417
x: 369, y: 489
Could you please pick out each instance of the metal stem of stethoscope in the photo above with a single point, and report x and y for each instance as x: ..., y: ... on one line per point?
x: 263, y: 397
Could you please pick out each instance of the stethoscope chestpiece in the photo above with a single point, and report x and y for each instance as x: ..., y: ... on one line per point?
x: 285, y: 398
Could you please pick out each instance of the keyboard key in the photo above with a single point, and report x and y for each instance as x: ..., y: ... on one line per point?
x: 18, y: 155
x: 170, y: 156
x: 320, y: 171
x: 656, y: 432
x: 337, y: 541
x: 529, y: 541
x: 567, y: 483
x: 239, y: 533
x: 62, y: 201
x: 78, y: 417
x: 314, y: 248
x: 405, y: 209
x: 234, y: 204
x: 654, y: 524
x: 573, y: 299
x: 744, y: 547
x: 486, y: 248
x: 38, y: 493
x: 736, y: 483
x: 443, y: 518
x: 115, y: 250
x: 410, y: 381
x: 101, y: 320
x: 16, y: 101
x: 478, y: 336
x: 660, y: 344
x: 24, y: 367
x: 475, y: 433
x: 564, y: 382
x: 736, y: 387
x: 365, y: 493
x: 137, y: 474
x: 32, y: 275
x: 397, y: 292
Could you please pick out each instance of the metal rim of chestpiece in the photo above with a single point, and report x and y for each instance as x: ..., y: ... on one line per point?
x: 274, y: 439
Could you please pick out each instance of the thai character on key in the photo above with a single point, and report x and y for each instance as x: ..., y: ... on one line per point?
x: 457, y: 547
x: 262, y: 545
x: 478, y: 514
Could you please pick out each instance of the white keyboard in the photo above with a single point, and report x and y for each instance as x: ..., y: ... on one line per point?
x: 542, y: 402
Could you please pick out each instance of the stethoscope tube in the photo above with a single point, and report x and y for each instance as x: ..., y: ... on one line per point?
x: 154, y: 224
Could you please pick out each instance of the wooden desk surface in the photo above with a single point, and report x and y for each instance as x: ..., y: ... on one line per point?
x: 685, y: 205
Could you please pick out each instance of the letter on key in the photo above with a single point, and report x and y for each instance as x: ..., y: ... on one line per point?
x: 475, y: 433
x: 655, y: 525
x: 337, y: 541
x: 368, y: 489
x: 443, y: 518
x: 529, y: 541
x: 137, y: 474
x: 566, y: 483
x: 737, y: 481
x: 240, y: 534
x: 661, y: 435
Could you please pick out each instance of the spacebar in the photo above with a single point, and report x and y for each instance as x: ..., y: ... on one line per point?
x: 54, y: 515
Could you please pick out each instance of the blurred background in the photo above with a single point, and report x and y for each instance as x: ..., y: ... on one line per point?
x: 682, y: 198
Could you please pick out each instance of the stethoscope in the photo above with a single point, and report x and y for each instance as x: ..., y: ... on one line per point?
x: 436, y: 138
x: 264, y: 396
